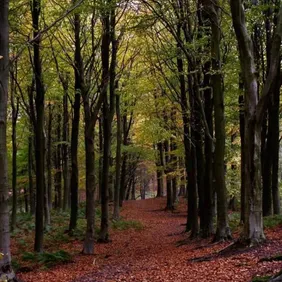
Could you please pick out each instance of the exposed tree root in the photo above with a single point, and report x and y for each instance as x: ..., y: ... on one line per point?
x: 273, y: 258
x: 234, y: 248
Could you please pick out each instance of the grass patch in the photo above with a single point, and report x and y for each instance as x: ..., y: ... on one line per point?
x: 127, y: 224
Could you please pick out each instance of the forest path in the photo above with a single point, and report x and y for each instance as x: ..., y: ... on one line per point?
x: 152, y: 255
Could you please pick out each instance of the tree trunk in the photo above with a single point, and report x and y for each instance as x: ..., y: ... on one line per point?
x: 198, y: 133
x: 5, y: 263
x: 123, y: 168
x: 65, y: 149
x: 78, y: 72
x: 274, y: 123
x: 133, y: 190
x: 101, y: 142
x: 242, y: 136
x: 88, y: 246
x: 173, y: 148
x: 30, y: 177
x: 160, y: 170
x: 207, y: 216
x: 223, y: 230
x: 39, y: 129
x: 267, y: 156
x: 15, y: 110
x: 58, y: 162
x: 169, y: 195
x: 253, y: 227
x: 108, y: 78
x: 118, y: 160
x: 49, y: 157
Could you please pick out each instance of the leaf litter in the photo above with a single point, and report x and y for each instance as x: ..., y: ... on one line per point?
x: 153, y: 253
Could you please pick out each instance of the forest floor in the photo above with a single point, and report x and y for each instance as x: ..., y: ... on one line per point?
x: 156, y: 253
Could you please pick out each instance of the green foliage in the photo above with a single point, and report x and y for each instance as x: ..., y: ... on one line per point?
x: 234, y: 220
x: 16, y: 265
x: 261, y: 279
x: 272, y: 221
x: 48, y: 259
x: 127, y: 224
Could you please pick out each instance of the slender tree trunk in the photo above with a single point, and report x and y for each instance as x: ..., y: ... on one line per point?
x: 88, y: 246
x: 101, y: 142
x: 108, y: 78
x: 5, y: 263
x: 49, y: 156
x: 15, y: 110
x: 111, y: 180
x: 47, y: 216
x: 65, y: 149
x: 79, y: 87
x: 160, y: 169
x: 198, y: 133
x: 267, y: 157
x: 58, y: 162
x: 30, y: 177
x: 39, y: 129
x: 123, y: 172
x: 192, y: 215
x: 169, y: 195
x: 207, y: 216
x: 223, y: 230
x: 242, y: 136
x: 173, y: 148
x: 125, y: 130
x: 274, y: 124
x: 118, y: 160
x: 133, y: 190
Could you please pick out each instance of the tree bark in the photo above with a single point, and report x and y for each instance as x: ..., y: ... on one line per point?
x: 15, y: 111
x: 65, y: 148
x: 49, y: 157
x: 274, y: 127
x: 253, y: 227
x: 108, y: 79
x: 88, y: 246
x: 58, y: 162
x: 39, y: 129
x: 160, y: 168
x: 30, y: 177
x: 78, y: 72
x: 5, y: 263
x: 242, y: 136
x: 118, y: 160
x: 207, y: 216
x: 223, y: 230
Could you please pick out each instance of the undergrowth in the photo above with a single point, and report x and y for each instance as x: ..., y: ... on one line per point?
x: 55, y: 236
x: 127, y: 224
x: 272, y: 221
x: 48, y: 259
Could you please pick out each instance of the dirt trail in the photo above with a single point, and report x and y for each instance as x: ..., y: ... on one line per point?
x: 151, y: 254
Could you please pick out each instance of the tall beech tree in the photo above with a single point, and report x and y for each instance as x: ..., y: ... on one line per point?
x: 38, y: 127
x: 108, y: 108
x: 254, y: 113
x: 79, y: 88
x: 223, y: 230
